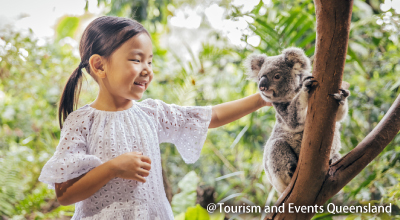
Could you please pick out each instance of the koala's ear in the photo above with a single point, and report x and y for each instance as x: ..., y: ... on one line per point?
x: 297, y: 59
x: 253, y: 64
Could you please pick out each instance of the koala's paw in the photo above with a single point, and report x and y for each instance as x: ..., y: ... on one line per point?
x: 308, y: 83
x: 341, y: 96
x: 292, y: 168
x: 334, y: 158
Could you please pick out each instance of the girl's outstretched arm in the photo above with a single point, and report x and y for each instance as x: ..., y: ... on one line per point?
x: 230, y: 111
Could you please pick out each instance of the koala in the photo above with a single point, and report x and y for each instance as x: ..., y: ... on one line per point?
x: 285, y: 80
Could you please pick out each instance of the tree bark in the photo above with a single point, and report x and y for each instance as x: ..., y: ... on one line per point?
x: 167, y: 186
x: 314, y: 181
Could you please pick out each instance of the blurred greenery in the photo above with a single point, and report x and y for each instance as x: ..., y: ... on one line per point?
x: 33, y: 76
x: 187, y: 195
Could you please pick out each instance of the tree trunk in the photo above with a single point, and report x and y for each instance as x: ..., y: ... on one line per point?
x: 167, y: 186
x: 314, y: 181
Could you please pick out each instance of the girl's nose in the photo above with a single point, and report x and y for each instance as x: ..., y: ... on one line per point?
x: 144, y: 73
x: 146, y: 70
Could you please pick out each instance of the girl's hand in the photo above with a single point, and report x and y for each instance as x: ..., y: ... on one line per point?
x: 131, y: 165
x: 262, y: 102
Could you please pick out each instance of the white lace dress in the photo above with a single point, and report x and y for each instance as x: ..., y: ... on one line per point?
x: 90, y: 137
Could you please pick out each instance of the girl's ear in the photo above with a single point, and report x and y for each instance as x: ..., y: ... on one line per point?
x: 97, y: 65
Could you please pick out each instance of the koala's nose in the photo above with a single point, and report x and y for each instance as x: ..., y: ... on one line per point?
x: 263, y: 85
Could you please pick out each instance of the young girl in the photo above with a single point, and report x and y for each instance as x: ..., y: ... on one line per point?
x: 108, y: 158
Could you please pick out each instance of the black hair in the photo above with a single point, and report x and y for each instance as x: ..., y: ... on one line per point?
x: 102, y: 36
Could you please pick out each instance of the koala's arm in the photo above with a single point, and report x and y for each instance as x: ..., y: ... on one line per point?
x: 341, y: 97
x: 296, y: 112
x: 294, y: 116
x: 342, y: 111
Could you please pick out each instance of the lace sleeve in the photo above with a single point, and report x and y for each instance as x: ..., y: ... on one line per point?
x: 70, y: 159
x: 184, y: 126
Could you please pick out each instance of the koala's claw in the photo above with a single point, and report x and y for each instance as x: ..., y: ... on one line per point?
x: 308, y: 83
x: 292, y: 169
x: 341, y: 97
x: 308, y: 77
x: 345, y: 93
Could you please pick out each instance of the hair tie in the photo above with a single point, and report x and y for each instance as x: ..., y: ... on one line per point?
x: 82, y: 65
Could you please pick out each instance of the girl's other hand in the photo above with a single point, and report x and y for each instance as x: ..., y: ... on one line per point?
x: 131, y: 165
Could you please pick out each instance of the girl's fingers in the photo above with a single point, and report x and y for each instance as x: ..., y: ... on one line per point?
x: 140, y: 178
x: 145, y: 166
x: 143, y: 172
x: 146, y: 159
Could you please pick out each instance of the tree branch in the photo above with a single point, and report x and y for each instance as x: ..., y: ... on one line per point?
x: 356, y: 160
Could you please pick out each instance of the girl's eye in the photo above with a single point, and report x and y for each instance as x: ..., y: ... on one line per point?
x: 277, y: 76
x: 136, y: 60
x: 150, y: 63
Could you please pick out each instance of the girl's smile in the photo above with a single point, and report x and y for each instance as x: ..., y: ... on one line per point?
x: 141, y: 85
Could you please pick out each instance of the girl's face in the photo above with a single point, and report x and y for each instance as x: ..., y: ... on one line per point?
x: 129, y: 71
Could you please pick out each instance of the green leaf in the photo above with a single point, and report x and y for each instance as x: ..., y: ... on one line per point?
x: 269, y: 29
x: 87, y: 5
x: 271, y: 42
x: 189, y: 182
x: 354, y: 56
x: 307, y: 40
x: 67, y: 27
x: 307, y: 26
x: 188, y: 195
x: 197, y: 213
x: 217, y: 216
x: 295, y: 26
x: 363, y: 184
x: 180, y: 216
x: 323, y: 216
x: 395, y: 85
x: 310, y: 51
x: 286, y: 23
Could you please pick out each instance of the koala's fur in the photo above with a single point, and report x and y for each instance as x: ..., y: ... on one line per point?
x: 289, y: 96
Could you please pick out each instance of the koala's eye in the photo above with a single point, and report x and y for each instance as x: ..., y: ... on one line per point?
x: 277, y: 76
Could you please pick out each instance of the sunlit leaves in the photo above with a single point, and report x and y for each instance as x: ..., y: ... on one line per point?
x: 67, y: 27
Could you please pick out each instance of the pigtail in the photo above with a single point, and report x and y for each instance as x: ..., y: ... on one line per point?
x: 70, y: 95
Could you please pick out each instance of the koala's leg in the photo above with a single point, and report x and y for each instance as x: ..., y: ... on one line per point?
x: 334, y: 157
x: 336, y: 145
x: 341, y: 97
x: 280, y: 162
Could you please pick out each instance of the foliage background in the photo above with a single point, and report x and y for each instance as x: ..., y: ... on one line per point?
x: 32, y: 78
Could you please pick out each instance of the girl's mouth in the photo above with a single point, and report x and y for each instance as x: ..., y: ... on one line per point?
x: 142, y: 85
